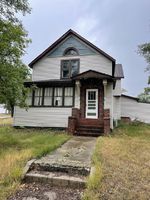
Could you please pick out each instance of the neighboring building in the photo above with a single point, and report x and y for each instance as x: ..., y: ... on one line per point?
x: 78, y: 87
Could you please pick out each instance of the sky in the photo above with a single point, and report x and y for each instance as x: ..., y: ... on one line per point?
x: 117, y: 27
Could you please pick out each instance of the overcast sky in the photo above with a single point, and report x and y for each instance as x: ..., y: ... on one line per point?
x: 117, y: 27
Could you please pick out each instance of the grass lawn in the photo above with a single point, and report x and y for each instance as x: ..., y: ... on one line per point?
x: 5, y: 120
x: 122, y: 163
x: 19, y: 145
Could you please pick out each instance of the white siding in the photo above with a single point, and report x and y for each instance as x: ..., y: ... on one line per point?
x: 49, y: 68
x: 117, y: 90
x: 42, y: 117
x: 116, y: 108
x: 135, y: 110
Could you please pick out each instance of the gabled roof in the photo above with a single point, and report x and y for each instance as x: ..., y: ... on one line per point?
x: 92, y: 74
x: 119, y: 71
x: 68, y: 33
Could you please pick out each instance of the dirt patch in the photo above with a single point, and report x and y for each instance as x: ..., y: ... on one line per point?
x: 42, y: 192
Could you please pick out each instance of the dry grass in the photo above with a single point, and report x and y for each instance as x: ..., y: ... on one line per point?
x: 19, y: 145
x: 124, y: 159
x: 5, y: 120
x: 11, y: 170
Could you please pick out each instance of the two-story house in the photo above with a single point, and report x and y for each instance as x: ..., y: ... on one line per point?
x: 78, y: 88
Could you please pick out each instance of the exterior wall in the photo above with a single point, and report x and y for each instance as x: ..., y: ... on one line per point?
x: 49, y: 68
x: 116, y: 108
x: 117, y: 90
x: 42, y: 117
x: 135, y: 110
x: 109, y: 101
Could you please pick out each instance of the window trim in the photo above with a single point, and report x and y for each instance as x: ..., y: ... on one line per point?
x: 61, y: 67
x: 53, y: 106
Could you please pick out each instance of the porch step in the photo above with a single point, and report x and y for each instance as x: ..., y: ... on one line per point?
x: 56, y: 179
x: 61, y: 168
x: 90, y: 130
x: 90, y: 122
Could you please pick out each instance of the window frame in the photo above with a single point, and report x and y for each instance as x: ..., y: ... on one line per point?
x: 61, y: 68
x: 53, y: 91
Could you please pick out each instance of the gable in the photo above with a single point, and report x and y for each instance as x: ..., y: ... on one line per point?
x: 72, y: 41
x: 89, y: 48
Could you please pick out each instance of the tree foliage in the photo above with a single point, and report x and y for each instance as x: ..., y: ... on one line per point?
x: 144, y: 50
x: 145, y: 96
x: 13, y: 41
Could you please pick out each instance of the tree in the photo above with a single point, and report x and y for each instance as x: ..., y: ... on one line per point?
x: 144, y: 50
x: 145, y: 96
x: 13, y: 41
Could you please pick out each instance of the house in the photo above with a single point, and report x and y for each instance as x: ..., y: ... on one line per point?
x: 78, y: 87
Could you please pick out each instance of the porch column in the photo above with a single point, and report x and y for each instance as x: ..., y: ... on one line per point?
x: 105, y: 85
x: 77, y: 94
x: 106, y: 110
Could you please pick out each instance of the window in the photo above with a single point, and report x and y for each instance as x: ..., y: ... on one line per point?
x: 52, y: 97
x: 38, y: 96
x: 65, y: 69
x: 68, y: 96
x: 71, y: 52
x: 69, y: 68
x: 48, y: 95
x: 58, y: 96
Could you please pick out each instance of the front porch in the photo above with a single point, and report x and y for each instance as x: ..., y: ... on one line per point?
x: 91, y: 114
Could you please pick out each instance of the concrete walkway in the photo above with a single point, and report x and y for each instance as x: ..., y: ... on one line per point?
x: 60, y: 175
x: 76, y: 153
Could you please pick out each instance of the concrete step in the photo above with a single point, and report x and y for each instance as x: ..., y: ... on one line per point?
x: 62, y: 168
x: 56, y: 179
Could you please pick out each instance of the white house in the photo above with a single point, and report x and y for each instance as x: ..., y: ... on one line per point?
x: 78, y: 88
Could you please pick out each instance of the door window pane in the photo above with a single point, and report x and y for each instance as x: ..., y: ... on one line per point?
x: 58, y: 96
x: 91, y: 95
x: 48, y: 94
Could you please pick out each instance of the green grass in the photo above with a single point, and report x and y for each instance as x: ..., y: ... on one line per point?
x: 122, y: 165
x: 17, y: 146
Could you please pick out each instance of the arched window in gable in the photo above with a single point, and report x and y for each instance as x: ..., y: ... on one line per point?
x: 71, y: 52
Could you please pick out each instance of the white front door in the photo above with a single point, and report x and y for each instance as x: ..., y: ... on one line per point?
x: 92, y: 103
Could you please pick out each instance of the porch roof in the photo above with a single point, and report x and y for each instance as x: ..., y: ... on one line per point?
x: 52, y: 82
x: 92, y: 74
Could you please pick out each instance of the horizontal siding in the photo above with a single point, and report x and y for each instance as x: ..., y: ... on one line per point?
x: 117, y: 90
x: 42, y: 117
x: 116, y: 108
x: 135, y: 110
x: 49, y: 68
